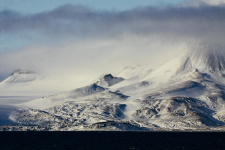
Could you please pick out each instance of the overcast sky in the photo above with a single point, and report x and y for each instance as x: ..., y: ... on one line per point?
x: 87, y: 38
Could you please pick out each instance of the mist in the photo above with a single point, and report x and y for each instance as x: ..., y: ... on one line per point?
x: 85, y: 43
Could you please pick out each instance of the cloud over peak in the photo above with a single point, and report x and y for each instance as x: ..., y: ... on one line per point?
x: 78, y: 38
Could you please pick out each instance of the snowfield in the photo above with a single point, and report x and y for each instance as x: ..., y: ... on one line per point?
x: 187, y: 93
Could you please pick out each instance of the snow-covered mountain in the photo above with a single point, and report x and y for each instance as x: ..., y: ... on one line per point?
x: 21, y: 76
x: 187, y: 93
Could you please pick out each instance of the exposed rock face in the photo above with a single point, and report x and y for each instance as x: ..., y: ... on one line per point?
x: 108, y: 80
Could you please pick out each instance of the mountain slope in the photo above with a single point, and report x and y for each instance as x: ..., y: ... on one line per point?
x: 73, y: 95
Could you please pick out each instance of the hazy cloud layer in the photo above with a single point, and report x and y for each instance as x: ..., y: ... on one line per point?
x: 78, y: 40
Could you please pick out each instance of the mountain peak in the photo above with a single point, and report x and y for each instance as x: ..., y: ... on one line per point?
x: 21, y: 76
x: 108, y: 80
x: 20, y: 71
x: 108, y: 77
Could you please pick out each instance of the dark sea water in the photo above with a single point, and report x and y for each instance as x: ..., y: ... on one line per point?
x: 112, y: 140
x: 5, y: 111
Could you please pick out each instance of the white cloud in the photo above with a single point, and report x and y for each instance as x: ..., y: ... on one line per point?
x: 213, y: 2
x: 198, y: 3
